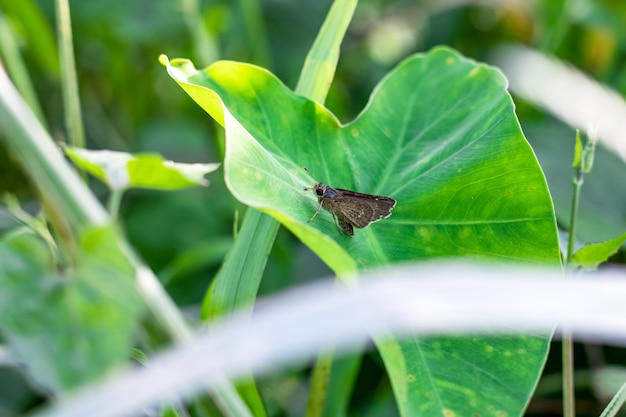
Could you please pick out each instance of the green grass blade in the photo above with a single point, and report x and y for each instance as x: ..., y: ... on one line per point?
x: 35, y: 29
x: 17, y: 67
x: 315, y: 80
x: 237, y: 282
x: 320, y: 64
x: 244, y: 261
x: 71, y: 101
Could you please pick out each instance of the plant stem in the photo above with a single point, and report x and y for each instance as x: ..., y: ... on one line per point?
x: 583, y: 162
x: 567, y: 353
x: 577, y: 183
x: 69, y: 83
x: 204, y: 43
x: 115, y: 199
x: 567, y: 342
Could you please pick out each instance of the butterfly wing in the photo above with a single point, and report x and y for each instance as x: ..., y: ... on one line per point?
x: 361, y: 209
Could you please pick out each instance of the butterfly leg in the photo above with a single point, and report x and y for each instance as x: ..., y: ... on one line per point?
x: 336, y: 224
x: 316, y: 212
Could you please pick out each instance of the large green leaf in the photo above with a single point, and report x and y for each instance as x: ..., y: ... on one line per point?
x: 440, y: 136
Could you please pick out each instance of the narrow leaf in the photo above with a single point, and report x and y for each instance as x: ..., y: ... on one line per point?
x: 578, y: 151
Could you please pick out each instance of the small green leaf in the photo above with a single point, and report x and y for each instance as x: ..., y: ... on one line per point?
x: 74, y: 326
x: 578, y: 150
x: 588, y: 155
x: 592, y: 255
x: 121, y: 170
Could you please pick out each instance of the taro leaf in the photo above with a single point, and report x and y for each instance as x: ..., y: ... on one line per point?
x: 440, y: 136
x: 73, y: 327
x: 590, y: 256
x: 121, y: 170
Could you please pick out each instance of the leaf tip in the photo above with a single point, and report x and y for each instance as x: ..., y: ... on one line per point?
x: 164, y: 60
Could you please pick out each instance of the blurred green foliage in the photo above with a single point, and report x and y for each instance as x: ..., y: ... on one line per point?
x: 129, y: 103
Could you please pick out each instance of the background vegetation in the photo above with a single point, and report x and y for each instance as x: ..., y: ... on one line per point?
x: 129, y: 103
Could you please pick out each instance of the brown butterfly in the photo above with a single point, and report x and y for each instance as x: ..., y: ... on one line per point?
x: 351, y: 209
